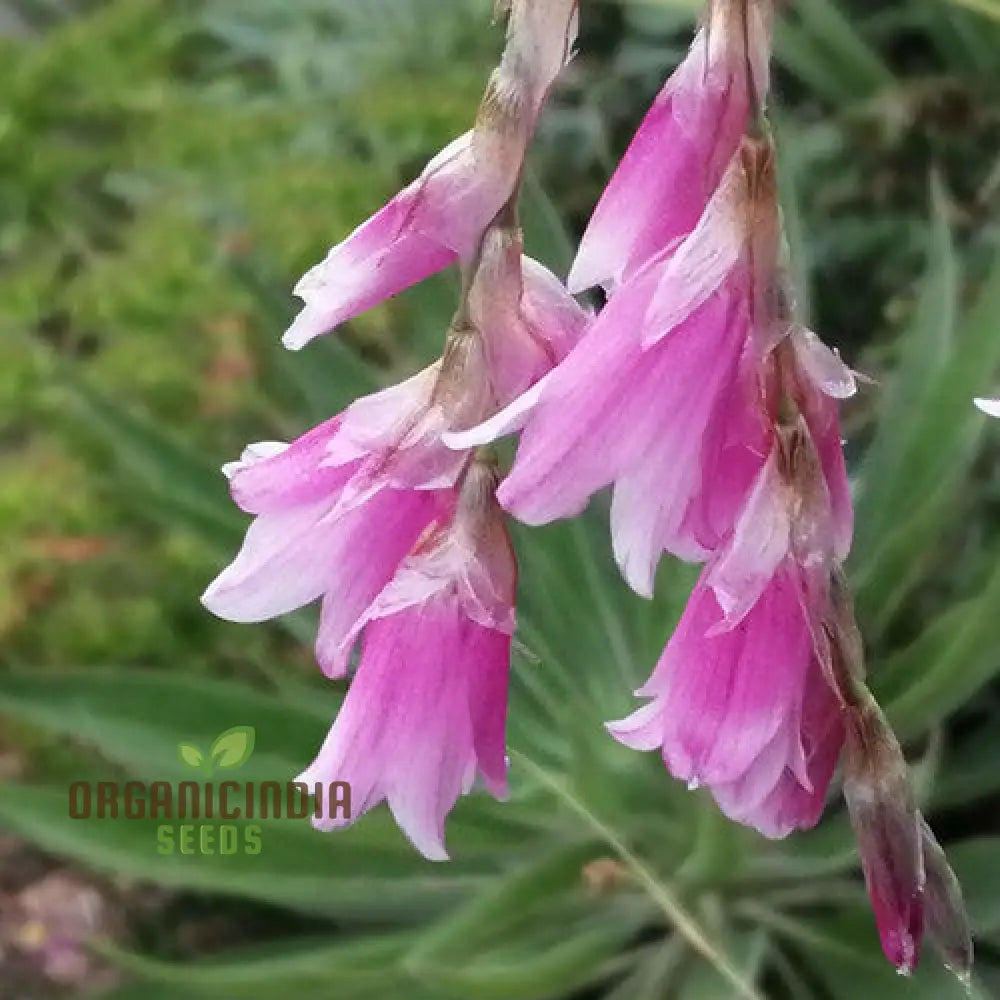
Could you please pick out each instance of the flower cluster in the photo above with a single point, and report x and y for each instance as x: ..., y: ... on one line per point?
x: 398, y: 535
x: 696, y: 395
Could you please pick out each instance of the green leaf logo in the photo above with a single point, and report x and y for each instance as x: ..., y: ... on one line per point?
x: 233, y: 748
x: 191, y: 755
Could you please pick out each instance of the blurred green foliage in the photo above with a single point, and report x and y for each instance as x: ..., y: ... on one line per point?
x: 168, y: 169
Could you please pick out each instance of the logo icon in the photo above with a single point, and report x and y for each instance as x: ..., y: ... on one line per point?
x: 229, y: 750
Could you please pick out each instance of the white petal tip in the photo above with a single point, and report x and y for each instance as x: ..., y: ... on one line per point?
x: 991, y: 407
x: 294, y: 340
x: 464, y: 440
x: 432, y: 851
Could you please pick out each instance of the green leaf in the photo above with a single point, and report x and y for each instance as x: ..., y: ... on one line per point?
x: 703, y: 982
x: 190, y: 754
x: 845, y: 953
x: 975, y: 864
x: 174, y: 479
x: 905, y: 503
x: 233, y: 748
x: 945, y: 666
x: 824, y: 47
x: 133, y: 717
x: 969, y: 770
x: 297, y: 867
x: 305, y: 968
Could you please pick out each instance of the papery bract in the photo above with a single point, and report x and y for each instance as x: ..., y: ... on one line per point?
x: 527, y: 319
x: 946, y: 919
x: 888, y: 830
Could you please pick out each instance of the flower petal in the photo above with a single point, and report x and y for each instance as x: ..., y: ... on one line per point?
x: 283, y: 564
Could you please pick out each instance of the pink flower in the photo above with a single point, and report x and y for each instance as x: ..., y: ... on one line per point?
x: 338, y: 509
x: 304, y: 544
x: 427, y: 708
x: 441, y: 216
x: 745, y: 709
x: 656, y: 385
x: 798, y: 506
x: 679, y: 154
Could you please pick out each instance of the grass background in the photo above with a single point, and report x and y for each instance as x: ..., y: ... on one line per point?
x: 168, y: 169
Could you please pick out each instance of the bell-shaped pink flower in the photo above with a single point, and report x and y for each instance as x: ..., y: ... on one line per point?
x: 426, y: 710
x: 745, y: 709
x: 653, y: 388
x: 441, y: 216
x: 305, y: 544
x: 339, y: 508
x: 682, y: 147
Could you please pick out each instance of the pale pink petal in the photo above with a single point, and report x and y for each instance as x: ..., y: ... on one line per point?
x: 553, y: 315
x: 381, y: 418
x: 670, y: 170
x: 253, y: 453
x: 615, y: 413
x: 585, y: 427
x: 397, y: 433
x: 527, y: 319
x: 723, y: 700
x: 511, y: 418
x: 271, y: 479
x: 283, y: 564
x: 490, y: 658
x: 426, y: 701
x: 793, y: 804
x: 516, y: 357
x: 373, y: 540
x: 426, y: 227
x: 441, y: 216
x: 690, y: 274
x: 736, y: 445
x: 471, y: 561
x: 761, y: 539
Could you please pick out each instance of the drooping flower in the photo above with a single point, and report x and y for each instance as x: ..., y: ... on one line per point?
x: 426, y: 710
x: 338, y: 508
x: 744, y: 709
x: 442, y: 215
x: 657, y: 382
x: 682, y: 147
x: 741, y: 700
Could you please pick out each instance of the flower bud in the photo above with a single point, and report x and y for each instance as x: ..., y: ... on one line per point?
x: 887, y: 826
